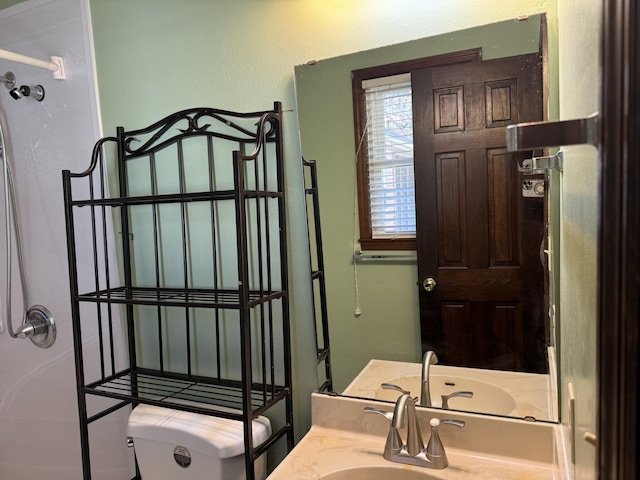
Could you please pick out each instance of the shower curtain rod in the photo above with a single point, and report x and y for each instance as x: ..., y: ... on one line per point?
x: 55, y: 65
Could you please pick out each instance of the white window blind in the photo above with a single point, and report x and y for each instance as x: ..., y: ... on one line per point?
x: 390, y: 156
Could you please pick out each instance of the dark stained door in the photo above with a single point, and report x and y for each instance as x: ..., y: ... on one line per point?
x: 479, y: 238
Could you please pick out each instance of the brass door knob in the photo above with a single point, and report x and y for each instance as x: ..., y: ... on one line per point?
x: 428, y: 284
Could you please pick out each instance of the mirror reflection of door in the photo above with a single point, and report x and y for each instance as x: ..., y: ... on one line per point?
x: 480, y: 231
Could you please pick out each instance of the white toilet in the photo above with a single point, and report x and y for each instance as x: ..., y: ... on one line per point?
x: 171, y: 444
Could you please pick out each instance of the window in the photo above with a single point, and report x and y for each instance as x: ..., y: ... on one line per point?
x: 389, y: 135
x: 383, y: 116
x: 384, y: 142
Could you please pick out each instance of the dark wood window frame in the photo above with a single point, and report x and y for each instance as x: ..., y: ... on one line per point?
x: 360, y: 121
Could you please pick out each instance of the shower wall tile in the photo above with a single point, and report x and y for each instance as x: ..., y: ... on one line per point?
x: 38, y: 406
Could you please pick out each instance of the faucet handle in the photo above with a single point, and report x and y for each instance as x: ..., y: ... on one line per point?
x: 379, y: 411
x: 393, y: 386
x: 398, y: 388
x: 445, y: 398
x: 435, y: 452
x: 393, y: 445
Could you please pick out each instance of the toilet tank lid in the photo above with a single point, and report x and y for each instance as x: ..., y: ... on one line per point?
x: 203, y: 433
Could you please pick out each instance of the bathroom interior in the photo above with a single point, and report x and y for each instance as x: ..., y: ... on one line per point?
x: 129, y: 63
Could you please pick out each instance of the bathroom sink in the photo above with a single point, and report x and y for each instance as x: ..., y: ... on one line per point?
x: 487, y: 398
x: 378, y: 473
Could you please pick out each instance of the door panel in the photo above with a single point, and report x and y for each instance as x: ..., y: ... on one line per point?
x: 451, y: 209
x: 503, y: 227
x: 487, y: 308
x: 457, y: 322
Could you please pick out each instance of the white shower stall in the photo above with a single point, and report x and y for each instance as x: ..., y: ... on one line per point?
x: 39, y: 436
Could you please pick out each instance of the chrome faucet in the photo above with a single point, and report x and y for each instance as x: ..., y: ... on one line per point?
x: 413, y: 452
x: 430, y: 358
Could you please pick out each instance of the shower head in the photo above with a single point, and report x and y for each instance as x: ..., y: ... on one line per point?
x: 15, y: 93
x: 9, y: 80
x: 34, y: 91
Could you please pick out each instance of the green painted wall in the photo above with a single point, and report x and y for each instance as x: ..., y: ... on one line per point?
x: 8, y: 3
x: 157, y: 57
x: 579, y: 22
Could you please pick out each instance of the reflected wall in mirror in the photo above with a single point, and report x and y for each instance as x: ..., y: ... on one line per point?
x: 374, y: 306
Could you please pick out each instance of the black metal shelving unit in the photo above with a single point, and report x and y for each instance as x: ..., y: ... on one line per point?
x: 314, y: 234
x: 199, y: 295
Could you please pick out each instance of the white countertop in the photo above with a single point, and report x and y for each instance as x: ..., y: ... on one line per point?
x: 532, y: 393
x: 344, y: 436
x: 325, y: 450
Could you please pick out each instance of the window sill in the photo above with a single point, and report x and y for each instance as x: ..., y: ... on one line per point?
x: 388, y: 244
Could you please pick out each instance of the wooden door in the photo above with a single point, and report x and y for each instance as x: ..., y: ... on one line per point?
x: 479, y: 239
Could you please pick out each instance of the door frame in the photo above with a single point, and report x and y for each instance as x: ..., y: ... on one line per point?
x: 619, y: 242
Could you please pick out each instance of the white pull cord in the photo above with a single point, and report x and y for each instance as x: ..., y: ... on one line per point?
x: 357, y: 311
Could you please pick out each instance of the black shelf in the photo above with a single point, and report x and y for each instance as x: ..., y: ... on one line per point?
x: 227, y: 254
x: 171, y: 198
x: 316, y: 262
x: 179, y: 297
x: 196, y: 394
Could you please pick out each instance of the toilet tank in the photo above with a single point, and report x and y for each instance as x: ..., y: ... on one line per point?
x: 171, y: 444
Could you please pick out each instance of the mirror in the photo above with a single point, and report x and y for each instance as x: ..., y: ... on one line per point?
x: 373, y: 306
